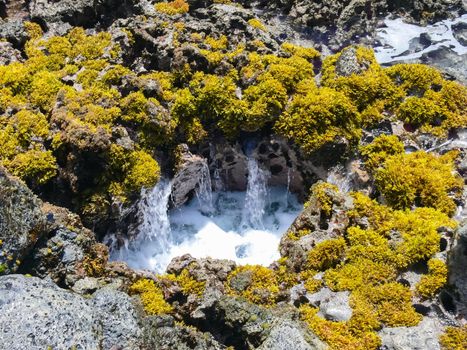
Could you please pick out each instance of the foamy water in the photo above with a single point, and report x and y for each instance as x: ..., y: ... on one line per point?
x: 242, y: 226
x: 397, y: 36
x: 220, y: 235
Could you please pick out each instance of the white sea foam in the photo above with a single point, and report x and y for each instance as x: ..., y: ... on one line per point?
x: 242, y: 226
x: 219, y: 235
x: 397, y: 36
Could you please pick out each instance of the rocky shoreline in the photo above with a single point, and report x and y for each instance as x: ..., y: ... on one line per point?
x: 100, y: 99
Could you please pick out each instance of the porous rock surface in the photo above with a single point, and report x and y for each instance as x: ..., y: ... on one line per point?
x: 36, y: 314
x: 21, y: 221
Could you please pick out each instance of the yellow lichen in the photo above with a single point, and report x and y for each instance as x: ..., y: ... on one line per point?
x: 454, y: 338
x: 151, y: 296
x: 173, y: 8
x: 256, y: 23
x: 419, y: 178
x: 255, y: 283
x: 435, y: 279
x: 188, y: 284
x: 326, y: 254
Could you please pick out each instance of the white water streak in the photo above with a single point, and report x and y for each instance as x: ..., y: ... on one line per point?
x: 204, y: 190
x: 153, y: 206
x: 256, y: 196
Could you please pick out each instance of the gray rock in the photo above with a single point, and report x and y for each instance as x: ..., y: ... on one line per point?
x: 87, y: 285
x: 448, y: 61
x: 288, y: 335
x: 161, y: 332
x: 118, y: 317
x: 231, y: 163
x: 421, y: 337
x: 13, y: 30
x: 333, y: 306
x: 36, y: 314
x: 66, y: 252
x: 460, y: 32
x: 311, y: 219
x: 85, y: 12
x: 8, y: 54
x: 457, y: 262
x: 189, y: 174
x: 348, y: 63
x: 22, y: 222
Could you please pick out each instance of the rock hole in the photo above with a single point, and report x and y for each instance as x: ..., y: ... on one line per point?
x: 422, y: 309
x: 276, y: 169
x: 443, y: 244
x: 404, y: 282
x: 3, y: 13
x: 447, y: 301
x: 263, y: 149
x: 229, y: 158
x: 420, y: 268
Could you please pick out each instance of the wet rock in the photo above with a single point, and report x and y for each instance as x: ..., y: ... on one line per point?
x: 448, y: 61
x: 231, y: 163
x: 332, y: 306
x: 423, y: 336
x: 247, y: 326
x: 457, y: 261
x: 189, y: 173
x: 36, y: 314
x: 276, y: 155
x: 460, y: 32
x: 22, y: 222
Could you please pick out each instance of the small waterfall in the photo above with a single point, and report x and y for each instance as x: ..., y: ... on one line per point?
x: 256, y: 196
x: 340, y: 177
x: 289, y: 175
x: 204, y: 190
x: 155, y: 224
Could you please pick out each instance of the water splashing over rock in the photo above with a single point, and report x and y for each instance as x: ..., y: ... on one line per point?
x: 242, y: 226
x: 256, y: 196
x: 204, y: 190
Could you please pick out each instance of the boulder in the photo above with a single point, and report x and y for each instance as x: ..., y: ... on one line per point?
x: 191, y: 169
x: 332, y: 306
x: 161, y: 332
x: 68, y: 253
x: 22, y: 222
x: 423, y: 336
x: 36, y: 314
x: 248, y: 326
